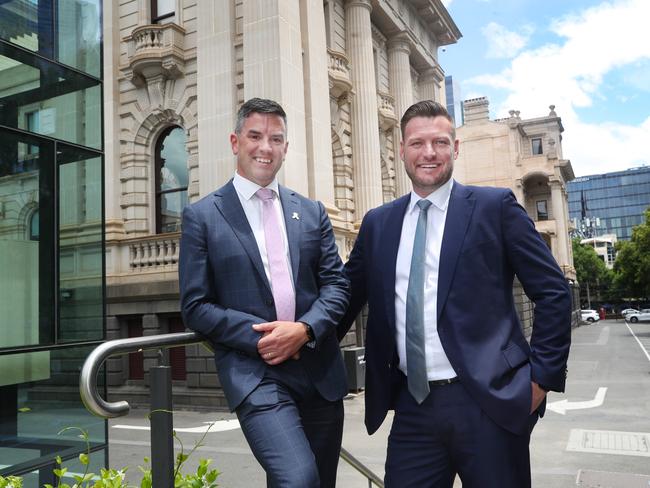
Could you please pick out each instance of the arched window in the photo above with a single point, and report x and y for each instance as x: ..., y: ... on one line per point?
x: 162, y: 11
x: 171, y: 179
x: 34, y: 226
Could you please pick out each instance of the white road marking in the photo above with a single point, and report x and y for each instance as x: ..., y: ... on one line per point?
x: 563, y: 405
x: 645, y: 351
x: 209, y: 427
x: 603, y: 339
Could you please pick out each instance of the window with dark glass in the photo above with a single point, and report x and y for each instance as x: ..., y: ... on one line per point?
x: 34, y: 226
x: 537, y: 146
x: 162, y: 11
x: 171, y: 179
x: 542, y: 210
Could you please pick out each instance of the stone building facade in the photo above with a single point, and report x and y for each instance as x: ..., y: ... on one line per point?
x: 175, y: 74
x: 524, y: 155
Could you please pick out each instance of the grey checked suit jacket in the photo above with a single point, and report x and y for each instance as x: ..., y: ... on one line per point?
x: 224, y: 289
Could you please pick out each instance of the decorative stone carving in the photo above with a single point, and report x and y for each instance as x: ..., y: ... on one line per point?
x: 155, y: 50
x: 386, y: 111
x: 340, y: 83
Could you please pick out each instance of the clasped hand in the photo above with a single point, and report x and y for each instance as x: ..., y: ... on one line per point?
x: 280, y: 341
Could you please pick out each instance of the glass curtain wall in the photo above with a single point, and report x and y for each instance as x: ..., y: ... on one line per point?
x: 51, y: 230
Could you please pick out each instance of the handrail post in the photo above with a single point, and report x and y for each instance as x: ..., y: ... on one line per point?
x: 162, y: 424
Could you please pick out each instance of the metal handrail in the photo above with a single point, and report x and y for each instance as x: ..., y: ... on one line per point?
x: 100, y: 407
x: 88, y: 380
x: 361, y: 468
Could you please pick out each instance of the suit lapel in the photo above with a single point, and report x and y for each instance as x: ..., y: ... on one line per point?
x: 459, y: 214
x: 227, y: 202
x: 291, y: 208
x: 390, y: 234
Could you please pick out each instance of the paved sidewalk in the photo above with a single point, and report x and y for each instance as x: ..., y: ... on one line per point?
x: 581, y: 440
x: 229, y: 451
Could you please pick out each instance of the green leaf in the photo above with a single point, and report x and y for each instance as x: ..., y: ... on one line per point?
x: 24, y: 409
x: 84, y: 459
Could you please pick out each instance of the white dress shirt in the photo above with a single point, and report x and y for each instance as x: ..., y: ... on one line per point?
x: 438, y: 366
x: 252, y: 206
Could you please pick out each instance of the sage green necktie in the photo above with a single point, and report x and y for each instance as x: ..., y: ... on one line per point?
x: 416, y: 363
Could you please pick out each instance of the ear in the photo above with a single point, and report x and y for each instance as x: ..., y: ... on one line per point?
x: 456, y: 148
x: 401, y: 149
x: 234, y: 143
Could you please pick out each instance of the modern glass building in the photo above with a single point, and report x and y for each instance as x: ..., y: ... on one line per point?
x: 453, y: 101
x: 51, y: 231
x: 611, y: 203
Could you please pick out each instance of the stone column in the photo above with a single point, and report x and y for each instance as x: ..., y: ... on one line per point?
x: 365, y: 129
x: 317, y: 109
x: 401, y: 87
x: 114, y: 221
x: 557, y: 198
x: 429, y: 84
x: 273, y: 68
x: 216, y: 93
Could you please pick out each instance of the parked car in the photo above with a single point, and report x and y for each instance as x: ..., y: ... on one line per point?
x: 626, y: 311
x: 642, y: 316
x: 589, y: 315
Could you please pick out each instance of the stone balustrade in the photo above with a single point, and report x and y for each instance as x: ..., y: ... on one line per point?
x: 156, y: 49
x: 339, y: 73
x: 155, y: 253
x: 386, y: 111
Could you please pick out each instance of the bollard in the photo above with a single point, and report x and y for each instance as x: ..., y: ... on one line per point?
x: 162, y: 442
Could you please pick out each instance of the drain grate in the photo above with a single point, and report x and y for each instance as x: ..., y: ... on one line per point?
x: 603, y: 479
x: 609, y: 442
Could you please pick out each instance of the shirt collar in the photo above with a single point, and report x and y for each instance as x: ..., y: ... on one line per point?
x: 439, y: 197
x: 246, y: 188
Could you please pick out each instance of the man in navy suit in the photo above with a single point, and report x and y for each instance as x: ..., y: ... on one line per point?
x: 444, y: 345
x: 261, y: 279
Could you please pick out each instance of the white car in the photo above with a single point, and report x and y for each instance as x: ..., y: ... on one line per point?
x: 642, y: 316
x: 589, y: 315
x: 628, y: 311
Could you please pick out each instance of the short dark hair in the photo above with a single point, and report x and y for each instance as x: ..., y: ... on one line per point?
x: 426, y: 108
x: 258, y: 106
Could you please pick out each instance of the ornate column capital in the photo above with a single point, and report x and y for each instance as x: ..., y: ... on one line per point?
x: 399, y: 42
x: 359, y: 3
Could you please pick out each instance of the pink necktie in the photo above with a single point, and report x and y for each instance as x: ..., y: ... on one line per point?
x: 283, y: 295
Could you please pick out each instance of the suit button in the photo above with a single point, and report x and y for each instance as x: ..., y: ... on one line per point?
x: 269, y: 302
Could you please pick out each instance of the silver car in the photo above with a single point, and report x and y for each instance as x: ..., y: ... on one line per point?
x: 642, y: 316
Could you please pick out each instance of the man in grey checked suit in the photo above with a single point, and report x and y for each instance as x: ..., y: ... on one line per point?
x: 261, y: 279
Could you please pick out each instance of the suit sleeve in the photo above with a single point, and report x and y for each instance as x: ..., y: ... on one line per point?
x: 200, y: 311
x: 355, y: 271
x: 545, y: 284
x: 333, y: 287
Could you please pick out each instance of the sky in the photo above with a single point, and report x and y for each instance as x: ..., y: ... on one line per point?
x: 589, y: 58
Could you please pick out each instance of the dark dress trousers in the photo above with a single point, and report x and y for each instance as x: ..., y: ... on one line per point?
x: 488, y: 240
x: 224, y: 291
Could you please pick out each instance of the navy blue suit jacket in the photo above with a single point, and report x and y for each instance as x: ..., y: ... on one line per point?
x: 488, y: 239
x: 224, y: 289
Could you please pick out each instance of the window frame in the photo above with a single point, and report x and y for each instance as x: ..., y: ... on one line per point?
x: 157, y: 19
x: 157, y: 181
x: 541, y: 216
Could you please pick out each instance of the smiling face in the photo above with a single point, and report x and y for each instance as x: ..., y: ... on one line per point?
x: 428, y: 150
x: 260, y: 146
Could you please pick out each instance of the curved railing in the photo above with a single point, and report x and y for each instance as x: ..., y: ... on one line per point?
x: 160, y: 381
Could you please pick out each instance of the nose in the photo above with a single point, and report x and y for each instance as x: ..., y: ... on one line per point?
x: 265, y: 144
x: 429, y: 150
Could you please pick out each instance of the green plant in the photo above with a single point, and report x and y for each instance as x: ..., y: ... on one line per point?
x: 11, y: 482
x: 116, y: 478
